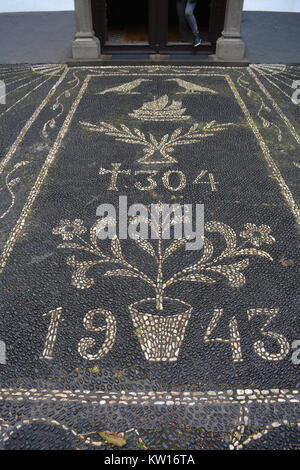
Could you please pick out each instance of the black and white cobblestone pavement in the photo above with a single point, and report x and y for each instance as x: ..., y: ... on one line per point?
x: 176, y: 349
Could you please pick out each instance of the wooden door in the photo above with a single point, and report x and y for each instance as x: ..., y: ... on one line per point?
x: 146, y: 26
x: 125, y: 26
x: 210, y: 15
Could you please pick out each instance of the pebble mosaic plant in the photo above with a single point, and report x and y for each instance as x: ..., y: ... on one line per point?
x: 161, y: 334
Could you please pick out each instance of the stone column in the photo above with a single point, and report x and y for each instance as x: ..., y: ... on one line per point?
x: 85, y: 44
x: 230, y: 46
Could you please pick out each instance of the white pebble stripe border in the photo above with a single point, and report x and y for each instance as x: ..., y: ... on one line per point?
x: 164, y: 398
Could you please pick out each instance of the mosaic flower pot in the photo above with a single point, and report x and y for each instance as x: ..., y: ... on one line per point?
x: 160, y: 335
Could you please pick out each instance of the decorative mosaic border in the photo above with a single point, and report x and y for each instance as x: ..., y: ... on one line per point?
x: 240, y: 396
x: 39, y: 181
x: 33, y: 118
x: 237, y: 441
x: 287, y: 122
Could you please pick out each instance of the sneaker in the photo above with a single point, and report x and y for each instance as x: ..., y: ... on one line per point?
x: 197, y: 41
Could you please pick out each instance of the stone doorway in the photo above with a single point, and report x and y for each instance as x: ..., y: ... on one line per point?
x: 153, y: 26
x: 93, y: 36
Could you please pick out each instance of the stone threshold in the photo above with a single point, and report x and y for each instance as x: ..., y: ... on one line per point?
x: 154, y: 59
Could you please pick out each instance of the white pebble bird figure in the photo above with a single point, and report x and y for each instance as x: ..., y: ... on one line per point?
x: 191, y: 87
x: 126, y: 88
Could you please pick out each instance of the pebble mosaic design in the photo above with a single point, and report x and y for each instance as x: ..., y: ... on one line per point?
x: 86, y: 329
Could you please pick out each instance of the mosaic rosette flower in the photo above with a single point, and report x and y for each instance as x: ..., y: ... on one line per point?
x: 257, y: 235
x: 68, y: 229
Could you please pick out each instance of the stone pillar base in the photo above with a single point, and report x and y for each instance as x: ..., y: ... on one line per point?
x: 230, y: 49
x: 86, y: 48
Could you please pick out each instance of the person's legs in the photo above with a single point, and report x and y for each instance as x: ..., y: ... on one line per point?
x: 190, y: 17
x: 183, y: 26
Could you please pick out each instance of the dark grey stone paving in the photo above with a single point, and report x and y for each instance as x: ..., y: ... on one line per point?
x: 46, y: 37
x: 58, y: 392
x: 36, y: 37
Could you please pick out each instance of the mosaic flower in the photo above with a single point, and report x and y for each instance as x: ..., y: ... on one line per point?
x: 156, y: 337
x: 257, y: 235
x: 68, y: 229
x: 206, y: 270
